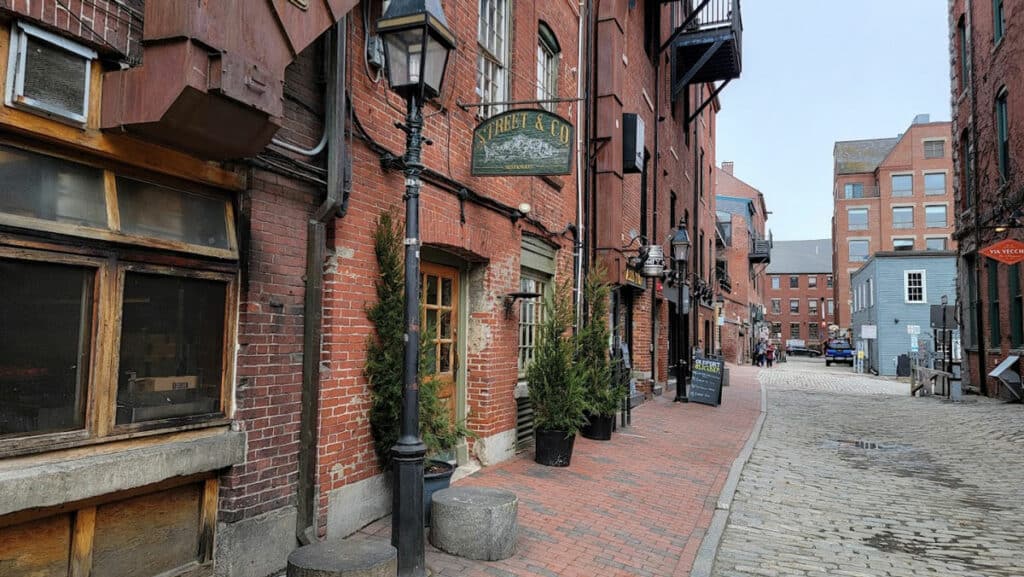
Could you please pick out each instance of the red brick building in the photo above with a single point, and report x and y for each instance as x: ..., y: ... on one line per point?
x: 801, y: 305
x: 890, y: 194
x: 744, y: 252
x: 203, y: 245
x: 985, y: 49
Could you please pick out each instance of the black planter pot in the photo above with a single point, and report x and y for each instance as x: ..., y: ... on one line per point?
x: 433, y: 482
x: 553, y: 448
x: 598, y: 427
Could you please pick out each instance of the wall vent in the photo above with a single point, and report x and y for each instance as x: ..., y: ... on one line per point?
x: 48, y: 74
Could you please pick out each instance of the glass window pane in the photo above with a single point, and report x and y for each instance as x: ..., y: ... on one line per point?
x: 161, y: 212
x: 935, y: 244
x: 446, y: 292
x: 903, y: 217
x: 49, y: 188
x: 431, y: 298
x: 45, y: 337
x: 446, y: 325
x: 902, y: 184
x: 430, y: 327
x: 172, y: 347
x: 445, y: 360
x: 903, y: 244
x: 935, y: 183
x: 935, y: 216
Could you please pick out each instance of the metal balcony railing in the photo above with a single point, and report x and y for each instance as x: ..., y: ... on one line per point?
x: 859, y: 192
x: 707, y: 46
x: 760, y: 250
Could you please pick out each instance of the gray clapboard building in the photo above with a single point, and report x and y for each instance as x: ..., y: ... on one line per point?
x: 894, y: 292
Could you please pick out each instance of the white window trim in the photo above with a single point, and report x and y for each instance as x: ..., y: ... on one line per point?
x: 894, y: 238
x: 909, y: 173
x: 944, y: 142
x: 906, y: 287
x: 896, y: 207
x: 924, y: 176
x: 15, y: 93
x: 867, y: 217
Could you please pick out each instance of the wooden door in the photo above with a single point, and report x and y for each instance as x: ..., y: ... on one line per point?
x: 440, y: 304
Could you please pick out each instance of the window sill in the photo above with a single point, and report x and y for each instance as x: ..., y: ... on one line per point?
x: 66, y: 476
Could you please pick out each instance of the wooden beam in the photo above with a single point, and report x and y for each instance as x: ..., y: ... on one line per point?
x: 81, y: 543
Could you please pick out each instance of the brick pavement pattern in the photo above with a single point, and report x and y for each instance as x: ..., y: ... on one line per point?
x: 851, y: 476
x: 637, y: 505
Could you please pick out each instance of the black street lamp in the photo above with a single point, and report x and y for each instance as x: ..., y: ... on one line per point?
x: 680, y: 256
x: 416, y: 46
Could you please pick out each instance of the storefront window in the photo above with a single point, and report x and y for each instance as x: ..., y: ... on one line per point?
x: 49, y: 188
x: 151, y: 210
x: 46, y: 319
x: 172, y: 347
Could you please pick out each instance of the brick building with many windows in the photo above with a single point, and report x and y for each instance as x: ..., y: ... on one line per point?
x: 799, y: 296
x: 890, y: 194
x: 986, y: 47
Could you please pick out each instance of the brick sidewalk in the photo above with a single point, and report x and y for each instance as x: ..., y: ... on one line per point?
x: 637, y: 505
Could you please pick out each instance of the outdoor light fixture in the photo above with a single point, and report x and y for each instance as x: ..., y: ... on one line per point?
x: 680, y: 256
x: 416, y: 46
x: 654, y: 263
x: 511, y: 298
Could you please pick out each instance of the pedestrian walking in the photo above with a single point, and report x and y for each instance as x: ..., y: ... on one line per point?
x: 769, y: 355
x: 759, y: 354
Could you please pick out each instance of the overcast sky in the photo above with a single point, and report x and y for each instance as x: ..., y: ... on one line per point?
x: 815, y: 72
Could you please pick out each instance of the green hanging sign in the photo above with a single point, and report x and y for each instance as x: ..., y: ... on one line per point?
x: 523, y: 143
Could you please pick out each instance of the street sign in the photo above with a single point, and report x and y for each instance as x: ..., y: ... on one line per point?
x: 913, y: 343
x: 1005, y: 251
x: 523, y: 143
x: 869, y: 331
x: 913, y: 329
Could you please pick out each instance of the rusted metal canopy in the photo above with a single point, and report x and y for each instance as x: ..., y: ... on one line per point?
x: 212, y: 77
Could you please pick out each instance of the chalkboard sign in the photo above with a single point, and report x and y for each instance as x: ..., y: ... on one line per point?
x: 706, y: 386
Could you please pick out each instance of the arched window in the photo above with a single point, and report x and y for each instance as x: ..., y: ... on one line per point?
x: 548, y: 57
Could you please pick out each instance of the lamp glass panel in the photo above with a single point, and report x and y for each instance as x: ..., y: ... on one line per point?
x: 434, y: 64
x: 404, y: 51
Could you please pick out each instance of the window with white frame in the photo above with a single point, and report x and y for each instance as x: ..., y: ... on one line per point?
x: 830, y: 307
x: 776, y: 283
x: 934, y: 148
x: 902, y: 184
x: 935, y: 216
x: 812, y: 331
x: 812, y: 282
x: 853, y: 190
x: 857, y: 219
x: 776, y: 306
x: 548, y: 57
x: 903, y: 244
x: 903, y: 217
x: 914, y: 286
x: 935, y: 183
x: 794, y: 306
x: 493, y: 57
x: 794, y: 330
x: 48, y: 74
x: 812, y: 307
x: 531, y: 315
x: 858, y: 250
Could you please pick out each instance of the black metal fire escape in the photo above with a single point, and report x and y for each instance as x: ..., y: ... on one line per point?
x: 706, y: 47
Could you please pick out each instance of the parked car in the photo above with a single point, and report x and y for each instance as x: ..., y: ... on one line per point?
x: 838, y: 351
x: 802, y: 352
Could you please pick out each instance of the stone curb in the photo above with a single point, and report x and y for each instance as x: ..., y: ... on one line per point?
x: 705, y: 559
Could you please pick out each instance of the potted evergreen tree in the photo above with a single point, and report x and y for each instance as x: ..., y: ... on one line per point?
x: 593, y: 365
x: 384, y: 365
x: 556, y: 391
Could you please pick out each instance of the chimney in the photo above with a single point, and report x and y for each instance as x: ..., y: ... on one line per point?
x: 727, y: 167
x: 922, y: 119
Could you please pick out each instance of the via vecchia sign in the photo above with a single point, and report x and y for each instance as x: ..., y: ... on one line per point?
x: 523, y: 143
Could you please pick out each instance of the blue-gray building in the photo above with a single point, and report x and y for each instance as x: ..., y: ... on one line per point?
x: 894, y: 292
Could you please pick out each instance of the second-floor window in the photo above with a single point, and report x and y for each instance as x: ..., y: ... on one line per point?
x: 548, y: 55
x: 902, y: 184
x: 776, y: 283
x: 812, y: 307
x: 794, y: 281
x: 794, y: 330
x: 857, y: 218
x: 858, y: 250
x: 812, y: 331
x: 776, y: 306
x: 935, y: 183
x: 935, y: 216
x: 903, y: 217
x: 812, y: 282
x: 493, y: 56
x: 794, y: 306
x: 914, y: 286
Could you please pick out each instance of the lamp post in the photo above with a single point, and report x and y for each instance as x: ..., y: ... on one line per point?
x: 416, y: 46
x: 680, y: 256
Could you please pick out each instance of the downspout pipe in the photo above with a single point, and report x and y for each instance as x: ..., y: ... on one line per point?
x: 582, y: 162
x: 316, y: 248
x: 979, y: 316
x: 655, y: 239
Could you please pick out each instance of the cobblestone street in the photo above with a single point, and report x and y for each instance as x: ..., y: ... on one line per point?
x: 852, y: 476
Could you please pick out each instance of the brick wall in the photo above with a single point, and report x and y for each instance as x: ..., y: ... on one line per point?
x: 108, y: 26
x: 803, y: 294
x: 992, y: 66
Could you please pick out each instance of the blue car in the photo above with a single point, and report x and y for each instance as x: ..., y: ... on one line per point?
x: 838, y: 351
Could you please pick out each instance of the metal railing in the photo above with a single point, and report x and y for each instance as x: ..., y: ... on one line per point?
x: 870, y: 191
x: 714, y: 14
